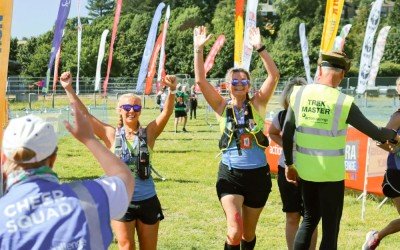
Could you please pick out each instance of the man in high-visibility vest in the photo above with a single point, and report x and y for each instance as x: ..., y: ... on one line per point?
x: 320, y: 114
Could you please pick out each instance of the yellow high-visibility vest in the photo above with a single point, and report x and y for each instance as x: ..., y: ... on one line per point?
x: 320, y: 113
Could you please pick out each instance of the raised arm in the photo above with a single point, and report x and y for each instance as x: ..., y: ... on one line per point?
x: 214, y: 99
x: 267, y: 89
x: 155, y: 127
x: 111, y: 164
x: 104, y: 131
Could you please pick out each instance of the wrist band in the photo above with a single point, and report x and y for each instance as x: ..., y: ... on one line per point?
x: 198, y: 50
x: 172, y: 91
x: 262, y: 48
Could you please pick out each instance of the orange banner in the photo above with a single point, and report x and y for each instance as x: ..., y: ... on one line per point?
x: 333, y: 12
x: 5, y: 36
x: 358, y: 145
x: 152, y: 65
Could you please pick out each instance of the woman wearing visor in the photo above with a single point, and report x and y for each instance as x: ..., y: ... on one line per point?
x: 244, y: 181
x: 133, y: 144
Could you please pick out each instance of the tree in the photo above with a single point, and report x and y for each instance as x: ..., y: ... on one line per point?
x: 99, y: 8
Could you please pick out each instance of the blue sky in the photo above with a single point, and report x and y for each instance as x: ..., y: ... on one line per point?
x: 35, y: 17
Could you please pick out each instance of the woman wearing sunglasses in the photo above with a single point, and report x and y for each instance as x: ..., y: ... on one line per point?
x: 126, y: 140
x: 244, y: 182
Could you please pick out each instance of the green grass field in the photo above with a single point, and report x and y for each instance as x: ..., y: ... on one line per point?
x: 193, y: 216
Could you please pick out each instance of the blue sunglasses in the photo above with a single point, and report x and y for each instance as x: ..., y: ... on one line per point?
x: 128, y: 107
x: 244, y: 82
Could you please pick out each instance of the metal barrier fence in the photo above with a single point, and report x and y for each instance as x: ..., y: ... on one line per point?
x: 18, y: 85
x: 57, y: 116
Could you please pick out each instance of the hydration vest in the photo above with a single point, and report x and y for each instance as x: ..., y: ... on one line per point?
x: 320, y: 113
x: 141, y: 162
x: 231, y: 128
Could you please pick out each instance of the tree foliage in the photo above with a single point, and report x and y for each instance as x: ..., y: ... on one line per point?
x: 218, y: 16
x: 100, y: 8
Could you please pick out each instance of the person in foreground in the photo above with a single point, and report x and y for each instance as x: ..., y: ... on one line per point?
x: 320, y: 114
x: 38, y: 212
x: 290, y: 194
x: 244, y: 180
x: 390, y: 185
x: 133, y: 144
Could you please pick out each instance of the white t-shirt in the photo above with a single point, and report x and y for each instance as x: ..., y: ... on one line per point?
x: 281, y: 162
x: 117, y: 195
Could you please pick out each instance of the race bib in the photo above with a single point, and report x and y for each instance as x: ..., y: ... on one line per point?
x: 245, y: 141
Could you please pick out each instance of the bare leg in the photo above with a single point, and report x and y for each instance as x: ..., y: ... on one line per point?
x: 148, y: 235
x: 394, y: 225
x: 232, y: 205
x: 125, y: 234
x: 250, y: 219
x: 292, y: 224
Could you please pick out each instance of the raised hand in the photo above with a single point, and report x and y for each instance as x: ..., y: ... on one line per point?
x: 200, y: 37
x: 170, y: 81
x: 66, y: 80
x: 255, y: 37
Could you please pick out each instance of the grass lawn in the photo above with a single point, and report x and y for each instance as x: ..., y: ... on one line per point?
x: 193, y: 216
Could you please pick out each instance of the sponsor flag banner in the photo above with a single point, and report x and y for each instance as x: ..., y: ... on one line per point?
x: 251, y: 20
x: 239, y: 9
x: 378, y: 53
x: 151, y: 38
x: 340, y: 40
x: 62, y: 15
x: 366, y: 53
x: 333, y: 12
x: 304, y: 51
x: 209, y: 63
x: 152, y: 64
x: 111, y: 51
x: 6, y: 10
x: 79, y: 47
x: 100, y: 57
x: 56, y: 65
x: 161, y: 62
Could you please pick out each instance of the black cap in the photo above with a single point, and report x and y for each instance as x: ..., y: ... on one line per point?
x: 335, y: 59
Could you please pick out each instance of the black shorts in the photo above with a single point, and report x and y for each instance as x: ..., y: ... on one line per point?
x: 180, y: 113
x: 290, y: 194
x: 147, y: 211
x: 253, y: 184
x: 391, y: 183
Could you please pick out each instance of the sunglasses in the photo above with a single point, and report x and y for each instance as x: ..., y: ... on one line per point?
x: 244, y: 82
x: 128, y: 107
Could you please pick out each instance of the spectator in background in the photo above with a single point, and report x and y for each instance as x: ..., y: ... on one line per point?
x: 180, y: 113
x: 161, y: 98
x: 38, y: 212
x: 193, y: 102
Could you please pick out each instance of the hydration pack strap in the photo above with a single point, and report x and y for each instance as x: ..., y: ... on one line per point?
x: 230, y: 118
x: 92, y: 216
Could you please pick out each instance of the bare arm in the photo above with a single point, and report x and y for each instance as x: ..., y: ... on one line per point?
x: 261, y: 98
x: 394, y: 123
x: 155, y: 127
x: 111, y: 164
x: 275, y: 134
x: 214, y: 99
x: 104, y: 131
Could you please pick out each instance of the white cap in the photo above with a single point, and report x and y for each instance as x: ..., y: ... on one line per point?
x: 29, y: 132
